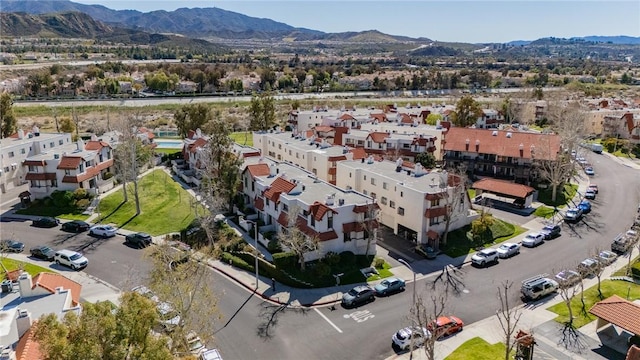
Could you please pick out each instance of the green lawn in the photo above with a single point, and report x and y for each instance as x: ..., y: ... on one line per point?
x: 243, y: 138
x: 11, y: 264
x: 39, y: 209
x: 544, y: 212
x: 609, y: 287
x: 459, y: 241
x: 623, y: 271
x: 382, y: 273
x: 167, y: 151
x: 478, y: 349
x: 562, y: 197
x: 166, y: 206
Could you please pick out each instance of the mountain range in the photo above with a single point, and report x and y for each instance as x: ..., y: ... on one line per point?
x: 218, y: 23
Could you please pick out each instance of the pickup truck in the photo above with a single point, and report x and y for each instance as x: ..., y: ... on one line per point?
x: 538, y: 286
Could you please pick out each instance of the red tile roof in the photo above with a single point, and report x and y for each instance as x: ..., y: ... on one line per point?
x: 363, y: 208
x: 258, y: 203
x: 89, y: 173
x: 408, y: 164
x: 28, y: 348
x: 323, y: 128
x: 346, y: 117
x: 503, y: 187
x: 358, y: 153
x: 423, y: 141
x: 431, y: 213
x: 51, y: 281
x: 40, y: 176
x: 378, y: 137
x: 70, y: 163
x: 283, y: 219
x: 199, y: 143
x: 337, y: 158
x: 406, y: 119
x: 619, y: 312
x: 633, y: 353
x: 435, y: 196
x: 318, y: 210
x: 379, y: 116
x: 251, y: 154
x: 301, y: 224
x: 432, y: 234
x: 34, y: 163
x: 546, y: 146
x: 95, y: 145
x: 277, y: 187
x: 258, y: 170
x: 358, y: 226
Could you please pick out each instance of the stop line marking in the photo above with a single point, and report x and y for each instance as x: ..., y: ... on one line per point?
x: 327, y: 319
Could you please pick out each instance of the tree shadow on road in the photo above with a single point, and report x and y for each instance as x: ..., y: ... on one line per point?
x: 269, y: 318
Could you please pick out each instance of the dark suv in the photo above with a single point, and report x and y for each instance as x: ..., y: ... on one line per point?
x: 75, y: 226
x: 138, y: 240
x: 551, y: 231
x: 358, y: 295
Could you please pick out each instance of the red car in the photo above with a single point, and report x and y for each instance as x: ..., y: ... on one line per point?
x: 446, y: 325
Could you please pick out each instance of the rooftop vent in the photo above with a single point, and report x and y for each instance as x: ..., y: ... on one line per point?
x: 494, y: 133
x: 509, y: 134
x: 340, y: 202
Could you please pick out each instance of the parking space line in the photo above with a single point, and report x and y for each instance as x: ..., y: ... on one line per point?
x: 327, y: 319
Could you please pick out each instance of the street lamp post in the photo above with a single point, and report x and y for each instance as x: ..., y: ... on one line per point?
x: 413, y: 307
x: 255, y: 226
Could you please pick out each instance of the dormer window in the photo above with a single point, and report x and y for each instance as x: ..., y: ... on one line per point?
x: 81, y: 168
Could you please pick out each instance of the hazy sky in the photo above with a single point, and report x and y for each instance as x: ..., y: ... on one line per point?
x: 463, y: 21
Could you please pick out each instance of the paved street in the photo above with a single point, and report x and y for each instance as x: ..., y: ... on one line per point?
x: 365, y: 332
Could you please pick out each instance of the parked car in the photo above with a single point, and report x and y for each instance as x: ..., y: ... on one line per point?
x: 485, y: 256
x: 590, y: 194
x: 588, y: 267
x: 195, y: 344
x: 75, y: 226
x: 211, y: 354
x: 573, y: 215
x: 593, y: 187
x: 404, y: 338
x: 508, y: 250
x: 169, y: 317
x: 103, y: 230
x: 358, y: 295
x: 533, y: 239
x: 624, y: 241
x: 589, y: 171
x: 43, y: 252
x: 146, y: 292
x: 46, y: 222
x: 138, y: 239
x: 566, y: 278
x: 551, y: 231
x: 607, y: 257
x: 445, y: 326
x: 71, y: 259
x: 389, y: 285
x: 13, y: 246
x: 585, y: 206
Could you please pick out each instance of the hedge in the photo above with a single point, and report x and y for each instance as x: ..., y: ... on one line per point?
x: 266, y: 269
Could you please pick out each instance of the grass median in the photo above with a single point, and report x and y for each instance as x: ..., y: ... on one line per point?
x: 166, y: 206
x: 460, y: 242
x: 478, y: 349
x: 11, y: 264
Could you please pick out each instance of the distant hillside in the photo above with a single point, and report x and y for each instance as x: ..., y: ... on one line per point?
x: 621, y: 39
x: 80, y: 25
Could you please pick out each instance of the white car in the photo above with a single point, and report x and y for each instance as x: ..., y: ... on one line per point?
x: 607, y: 257
x: 485, y: 256
x: 508, y: 250
x: 404, y: 337
x: 72, y: 259
x: 533, y: 239
x: 196, y: 346
x: 103, y: 230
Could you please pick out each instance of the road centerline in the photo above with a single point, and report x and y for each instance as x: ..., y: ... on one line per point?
x: 327, y: 320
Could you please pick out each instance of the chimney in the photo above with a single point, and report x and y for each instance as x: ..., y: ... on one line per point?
x: 419, y: 170
x: 23, y: 322
x: 272, y: 170
x: 466, y: 144
x: 36, y: 131
x: 25, y: 284
x: 370, y: 159
x: 399, y: 165
x: 477, y: 145
x: 329, y: 200
x: 20, y: 134
x: 94, y: 137
x: 80, y: 145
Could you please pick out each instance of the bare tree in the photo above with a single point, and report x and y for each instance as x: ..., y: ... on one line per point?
x: 294, y: 239
x: 187, y: 291
x: 598, y: 269
x: 368, y: 224
x: 508, y: 317
x: 453, y: 187
x: 424, y: 314
x: 568, y: 287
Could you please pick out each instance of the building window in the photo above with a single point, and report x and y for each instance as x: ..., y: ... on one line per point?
x: 253, y: 186
x: 330, y: 221
x: 51, y: 144
x: 60, y: 142
x: 349, y: 175
x: 392, y: 204
x: 54, y: 183
x: 383, y: 200
x: 67, y: 172
x: 373, y: 195
x: 81, y: 168
x: 280, y: 146
x: 347, y: 236
x: 32, y: 168
x: 401, y: 211
x: 267, y: 200
x: 313, y: 221
x: 435, y: 202
x: 314, y: 171
x: 23, y: 150
x: 297, y: 156
x: 87, y: 164
x: 373, y: 181
x: 384, y: 185
x: 285, y: 207
x: 401, y: 193
x: 365, y: 192
x: 365, y: 177
x: 11, y: 154
x: 6, y: 169
x: 434, y: 221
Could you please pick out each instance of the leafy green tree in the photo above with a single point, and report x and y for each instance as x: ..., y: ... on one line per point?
x: 432, y: 119
x: 426, y: 159
x: 67, y: 125
x: 8, y: 119
x: 262, y: 112
x: 192, y: 117
x: 467, y: 111
x: 99, y: 332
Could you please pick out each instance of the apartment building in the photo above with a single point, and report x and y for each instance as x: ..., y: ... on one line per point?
x: 70, y: 167
x: 302, y: 120
x: 412, y: 200
x: 18, y: 147
x: 394, y: 140
x: 625, y: 126
x: 316, y: 155
x: 341, y: 220
x: 501, y: 154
